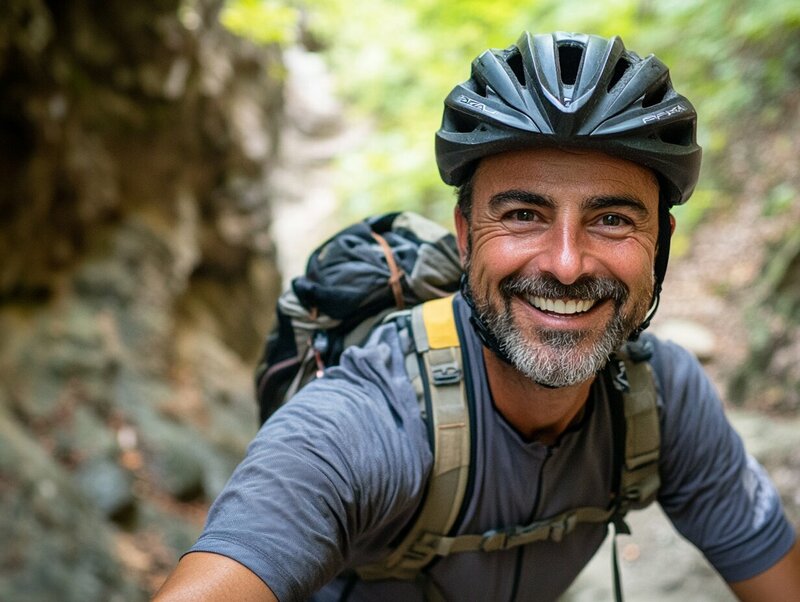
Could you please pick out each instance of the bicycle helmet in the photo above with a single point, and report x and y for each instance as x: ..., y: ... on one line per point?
x: 571, y: 90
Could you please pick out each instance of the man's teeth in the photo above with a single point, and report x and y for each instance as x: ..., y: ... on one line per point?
x: 562, y: 306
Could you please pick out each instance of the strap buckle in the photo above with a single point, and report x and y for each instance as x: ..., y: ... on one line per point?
x: 503, y: 539
x: 562, y: 528
x: 419, y: 552
x: 446, y: 374
x: 494, y: 540
x: 551, y: 530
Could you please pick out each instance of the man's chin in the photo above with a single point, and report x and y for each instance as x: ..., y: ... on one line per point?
x: 557, y: 366
x: 556, y: 357
x: 567, y: 341
x: 562, y: 358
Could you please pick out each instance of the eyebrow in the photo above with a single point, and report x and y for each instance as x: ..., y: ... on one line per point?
x: 617, y: 201
x: 497, y: 201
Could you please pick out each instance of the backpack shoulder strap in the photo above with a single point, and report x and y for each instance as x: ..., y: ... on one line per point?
x: 638, y: 419
x: 443, y: 396
x: 633, y: 377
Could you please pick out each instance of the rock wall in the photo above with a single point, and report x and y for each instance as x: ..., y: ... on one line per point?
x: 137, y: 146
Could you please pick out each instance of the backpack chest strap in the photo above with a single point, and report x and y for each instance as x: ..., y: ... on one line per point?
x: 552, y: 529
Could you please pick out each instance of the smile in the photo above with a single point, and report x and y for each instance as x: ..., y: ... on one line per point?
x: 562, y: 306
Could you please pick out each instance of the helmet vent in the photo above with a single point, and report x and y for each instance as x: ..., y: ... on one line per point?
x: 515, y: 62
x: 478, y: 86
x: 464, y: 124
x: 653, y: 97
x: 569, y: 61
x: 680, y: 134
x: 620, y: 69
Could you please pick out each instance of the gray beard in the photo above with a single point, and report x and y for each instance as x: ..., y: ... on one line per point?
x: 561, y: 358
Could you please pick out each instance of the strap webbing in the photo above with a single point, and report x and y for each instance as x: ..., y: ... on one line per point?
x: 436, y: 341
x: 395, y: 273
x: 615, y: 567
x: 639, y: 480
x: 552, y: 529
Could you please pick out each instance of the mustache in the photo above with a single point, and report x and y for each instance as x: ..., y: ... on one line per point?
x: 587, y: 288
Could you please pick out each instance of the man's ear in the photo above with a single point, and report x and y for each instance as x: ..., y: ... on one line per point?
x: 671, y: 224
x: 462, y: 232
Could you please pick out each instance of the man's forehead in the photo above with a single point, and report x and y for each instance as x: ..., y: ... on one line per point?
x: 557, y: 168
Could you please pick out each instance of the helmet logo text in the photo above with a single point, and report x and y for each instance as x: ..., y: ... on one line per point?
x: 475, y: 104
x: 664, y: 114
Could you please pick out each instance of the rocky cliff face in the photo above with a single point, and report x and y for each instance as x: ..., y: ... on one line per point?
x: 137, y: 144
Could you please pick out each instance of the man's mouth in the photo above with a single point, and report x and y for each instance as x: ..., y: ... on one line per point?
x: 562, y: 307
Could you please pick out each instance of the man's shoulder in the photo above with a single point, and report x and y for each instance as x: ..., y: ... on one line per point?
x: 369, y: 386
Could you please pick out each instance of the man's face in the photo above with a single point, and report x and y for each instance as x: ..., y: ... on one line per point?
x: 559, y: 252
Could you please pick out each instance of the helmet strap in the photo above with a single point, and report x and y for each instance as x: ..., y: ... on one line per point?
x: 484, y: 334
x: 660, y: 267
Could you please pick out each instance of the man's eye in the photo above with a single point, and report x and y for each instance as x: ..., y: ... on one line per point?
x: 523, y: 215
x: 612, y: 220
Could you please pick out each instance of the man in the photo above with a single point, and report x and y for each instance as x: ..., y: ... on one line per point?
x: 568, y: 152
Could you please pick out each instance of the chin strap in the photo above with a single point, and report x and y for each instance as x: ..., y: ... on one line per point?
x: 652, y: 312
x: 484, y: 334
x: 660, y: 268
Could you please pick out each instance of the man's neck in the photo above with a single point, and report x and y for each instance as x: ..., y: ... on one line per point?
x: 536, y: 412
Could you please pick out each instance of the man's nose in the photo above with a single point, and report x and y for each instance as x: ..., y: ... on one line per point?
x: 564, y: 256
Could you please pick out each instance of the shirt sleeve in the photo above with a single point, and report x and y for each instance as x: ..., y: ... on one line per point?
x: 716, y: 495
x: 336, y: 471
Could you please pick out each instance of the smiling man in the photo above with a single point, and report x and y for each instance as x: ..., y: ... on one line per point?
x: 558, y: 248
x: 568, y: 152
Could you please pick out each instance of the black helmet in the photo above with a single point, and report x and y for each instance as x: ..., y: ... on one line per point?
x: 571, y: 90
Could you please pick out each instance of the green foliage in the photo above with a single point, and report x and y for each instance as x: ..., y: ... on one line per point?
x: 690, y: 214
x: 780, y: 199
x: 396, y: 60
x: 264, y: 21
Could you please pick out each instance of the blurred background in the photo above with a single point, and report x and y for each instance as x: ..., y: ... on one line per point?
x: 166, y: 167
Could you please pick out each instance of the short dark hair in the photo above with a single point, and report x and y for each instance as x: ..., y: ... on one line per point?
x: 464, y: 196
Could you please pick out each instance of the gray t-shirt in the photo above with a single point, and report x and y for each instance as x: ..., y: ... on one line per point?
x: 336, y: 474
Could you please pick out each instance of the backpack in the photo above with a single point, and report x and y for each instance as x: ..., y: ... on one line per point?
x: 401, y: 267
x: 352, y: 281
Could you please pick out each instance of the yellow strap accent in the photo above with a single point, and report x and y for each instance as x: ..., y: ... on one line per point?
x: 440, y: 324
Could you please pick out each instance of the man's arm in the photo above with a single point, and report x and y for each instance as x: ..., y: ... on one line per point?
x: 201, y: 576
x: 779, y: 583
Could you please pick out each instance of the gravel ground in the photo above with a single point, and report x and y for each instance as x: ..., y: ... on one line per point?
x: 656, y: 563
